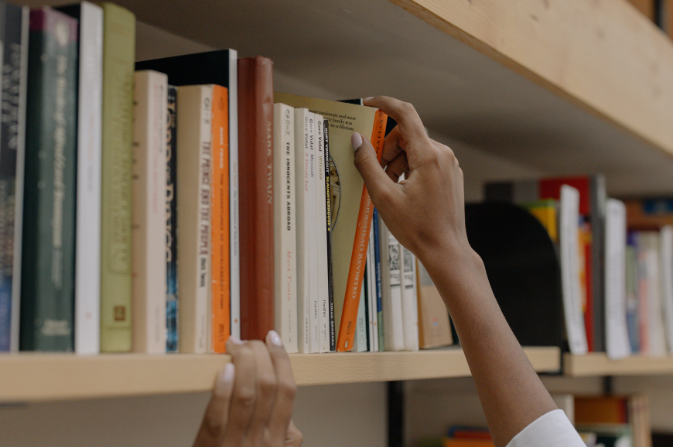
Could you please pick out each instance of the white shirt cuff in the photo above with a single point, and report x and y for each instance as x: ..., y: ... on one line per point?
x: 550, y: 430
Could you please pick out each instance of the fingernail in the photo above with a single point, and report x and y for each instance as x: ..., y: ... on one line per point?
x: 235, y: 340
x: 275, y: 338
x: 368, y: 98
x: 224, y: 379
x: 356, y: 141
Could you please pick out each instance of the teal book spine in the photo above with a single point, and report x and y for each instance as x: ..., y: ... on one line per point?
x: 48, y: 261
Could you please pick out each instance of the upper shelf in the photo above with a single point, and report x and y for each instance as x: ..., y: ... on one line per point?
x: 40, y: 377
x: 598, y: 364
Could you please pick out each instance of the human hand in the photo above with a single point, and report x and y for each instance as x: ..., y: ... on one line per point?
x: 252, y: 401
x: 426, y: 210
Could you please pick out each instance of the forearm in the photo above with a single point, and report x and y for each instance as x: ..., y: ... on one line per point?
x: 509, y: 389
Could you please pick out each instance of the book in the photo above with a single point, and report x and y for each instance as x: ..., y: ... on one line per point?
x: 311, y: 228
x: 149, y: 212
x: 14, y: 63
x: 255, y: 128
x: 302, y: 155
x: 631, y: 275
x: 370, y: 275
x: 351, y: 206
x: 219, y: 68
x: 601, y: 410
x: 666, y: 237
x: 546, y: 212
x: 48, y: 261
x: 568, y: 236
x: 652, y: 338
x: 285, y: 226
x: 328, y: 207
x: 391, y: 272
x: 617, y: 337
x: 409, y: 300
x: 433, y: 317
x: 116, y: 189
x: 172, y: 284
x: 193, y: 181
x: 377, y: 273
x: 219, y: 222
x: 321, y: 236
x: 361, y: 325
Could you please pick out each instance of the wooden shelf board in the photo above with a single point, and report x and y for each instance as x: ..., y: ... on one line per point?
x: 41, y: 377
x: 598, y: 364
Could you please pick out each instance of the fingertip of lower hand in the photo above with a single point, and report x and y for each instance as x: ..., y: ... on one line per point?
x: 272, y: 338
x: 225, y: 379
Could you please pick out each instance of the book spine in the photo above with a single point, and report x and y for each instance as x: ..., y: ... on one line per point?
x: 255, y: 131
x: 321, y: 236
x: 12, y: 153
x: 392, y: 296
x: 47, y: 283
x: 302, y: 117
x: 193, y: 161
x: 328, y: 208
x: 409, y: 303
x: 117, y: 160
x: 88, y: 255
x: 219, y: 229
x: 172, y: 284
x: 656, y: 337
x: 643, y: 304
x: 234, y: 229
x: 361, y: 325
x: 370, y: 270
x: 149, y: 183
x: 285, y: 226
x: 312, y: 228
x: 598, y: 198
x: 379, y: 287
x: 356, y: 271
x: 632, y: 293
x: 666, y: 236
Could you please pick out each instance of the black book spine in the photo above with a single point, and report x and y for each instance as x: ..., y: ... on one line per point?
x: 171, y: 224
x: 328, y: 196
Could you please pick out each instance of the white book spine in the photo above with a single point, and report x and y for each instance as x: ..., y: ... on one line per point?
x: 311, y: 230
x: 235, y: 264
x: 303, y: 244
x: 409, y: 303
x: 361, y: 326
x: 89, y: 168
x: 617, y: 337
x: 18, y: 191
x: 667, y: 281
x: 656, y: 337
x: 393, y: 326
x: 570, y: 269
x: 149, y: 212
x: 194, y: 135
x: 321, y: 236
x: 285, y: 269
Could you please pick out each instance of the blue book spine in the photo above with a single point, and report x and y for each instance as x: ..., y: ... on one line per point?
x: 632, y: 317
x: 171, y: 225
x: 377, y: 261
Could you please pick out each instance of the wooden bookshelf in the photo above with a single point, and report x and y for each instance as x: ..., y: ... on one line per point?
x: 42, y: 377
x: 598, y: 364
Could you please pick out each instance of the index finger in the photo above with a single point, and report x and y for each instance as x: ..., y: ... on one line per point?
x: 410, y: 124
x: 286, y: 388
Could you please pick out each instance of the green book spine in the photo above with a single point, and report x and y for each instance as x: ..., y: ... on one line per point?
x: 48, y: 267
x: 116, y: 281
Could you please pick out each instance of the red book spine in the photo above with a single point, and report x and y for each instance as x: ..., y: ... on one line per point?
x: 255, y: 158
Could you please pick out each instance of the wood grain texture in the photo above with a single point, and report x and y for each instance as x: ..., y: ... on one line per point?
x: 601, y: 55
x: 45, y: 377
x: 598, y: 364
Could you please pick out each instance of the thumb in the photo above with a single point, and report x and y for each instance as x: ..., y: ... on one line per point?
x: 379, y: 185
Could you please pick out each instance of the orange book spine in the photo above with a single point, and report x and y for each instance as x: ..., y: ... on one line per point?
x: 219, y: 196
x: 360, y: 245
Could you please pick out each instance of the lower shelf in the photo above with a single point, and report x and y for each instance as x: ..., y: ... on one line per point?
x: 41, y: 377
x: 598, y: 364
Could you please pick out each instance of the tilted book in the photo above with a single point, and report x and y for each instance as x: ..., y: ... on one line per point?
x: 301, y: 135
x: 172, y: 284
x: 12, y: 156
x: 351, y: 205
x: 149, y: 212
x: 89, y: 167
x: 48, y: 261
x: 194, y: 165
x: 117, y: 160
x: 285, y: 222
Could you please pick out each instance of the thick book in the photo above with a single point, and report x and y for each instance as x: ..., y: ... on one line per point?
x: 652, y: 338
x: 377, y: 273
x: 617, y: 336
x: 433, y: 317
x: 302, y: 154
x: 391, y: 271
x: 351, y: 206
x: 255, y: 130
x: 592, y: 210
x: 194, y: 162
x: 666, y: 237
x: 117, y: 160
x: 12, y: 157
x: 328, y: 208
x: 172, y: 283
x: 48, y: 261
x: 219, y: 222
x: 321, y: 236
x: 149, y: 212
x: 89, y: 140
x: 219, y: 68
x: 285, y: 226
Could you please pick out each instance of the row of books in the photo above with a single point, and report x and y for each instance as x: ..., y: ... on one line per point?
x: 168, y: 205
x: 616, y: 263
